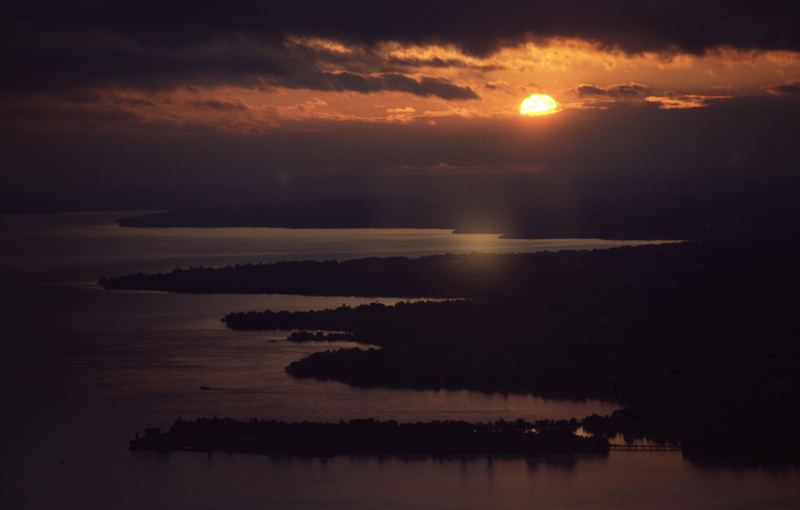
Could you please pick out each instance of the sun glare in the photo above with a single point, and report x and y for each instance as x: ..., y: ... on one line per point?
x: 538, y: 104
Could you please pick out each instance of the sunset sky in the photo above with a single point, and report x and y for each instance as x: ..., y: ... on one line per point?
x: 295, y: 99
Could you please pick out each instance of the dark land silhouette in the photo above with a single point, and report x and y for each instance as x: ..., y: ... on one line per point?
x: 371, y: 437
x: 451, y: 276
x: 697, y: 341
x: 649, y: 211
x: 319, y: 336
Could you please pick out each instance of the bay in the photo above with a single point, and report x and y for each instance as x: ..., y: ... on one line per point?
x: 84, y: 369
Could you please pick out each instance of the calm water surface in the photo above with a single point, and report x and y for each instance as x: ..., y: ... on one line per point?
x: 83, y: 369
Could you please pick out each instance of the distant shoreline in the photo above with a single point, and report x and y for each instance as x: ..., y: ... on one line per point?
x: 399, y: 212
x: 432, y: 276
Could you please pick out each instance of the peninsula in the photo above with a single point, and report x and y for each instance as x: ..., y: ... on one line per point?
x: 697, y: 340
x: 371, y: 437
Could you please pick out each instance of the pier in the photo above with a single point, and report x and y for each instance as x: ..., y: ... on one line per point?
x: 644, y: 447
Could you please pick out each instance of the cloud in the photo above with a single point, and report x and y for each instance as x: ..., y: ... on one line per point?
x: 684, y: 101
x: 132, y: 101
x: 347, y: 45
x: 787, y: 89
x: 496, y: 85
x: 218, y: 105
x: 632, y: 25
x: 636, y: 94
x: 81, y: 62
x: 341, y: 81
x: 440, y: 62
x: 625, y: 91
x: 405, y: 114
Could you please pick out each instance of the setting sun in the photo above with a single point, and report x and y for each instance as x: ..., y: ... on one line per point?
x: 538, y: 104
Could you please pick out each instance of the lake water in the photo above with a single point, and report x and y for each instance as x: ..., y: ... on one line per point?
x: 83, y: 369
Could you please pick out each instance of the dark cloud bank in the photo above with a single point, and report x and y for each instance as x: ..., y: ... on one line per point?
x: 86, y: 62
x: 788, y: 89
x: 479, y: 27
x: 60, y: 45
x: 732, y: 163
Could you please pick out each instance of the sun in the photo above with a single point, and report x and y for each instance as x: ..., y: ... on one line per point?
x: 539, y: 104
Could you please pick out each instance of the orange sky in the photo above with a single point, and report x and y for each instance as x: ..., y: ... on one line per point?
x: 501, y: 81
